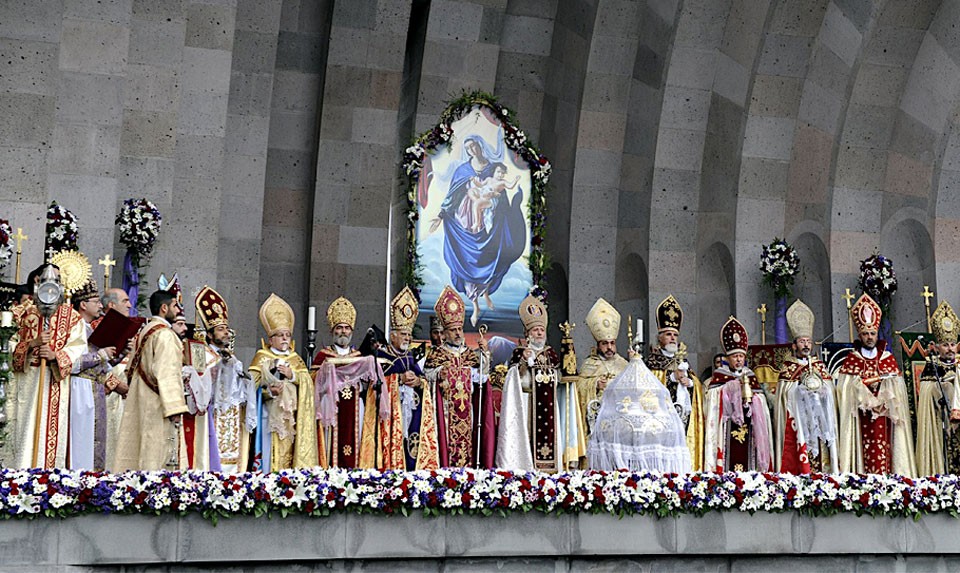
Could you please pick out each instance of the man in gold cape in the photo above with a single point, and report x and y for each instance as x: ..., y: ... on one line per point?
x: 938, y: 407
x: 287, y: 390
x: 668, y: 362
x: 602, y: 365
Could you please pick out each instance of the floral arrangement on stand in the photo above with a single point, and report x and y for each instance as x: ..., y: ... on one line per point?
x: 6, y: 243
x: 779, y: 264
x: 62, y: 231
x: 878, y: 280
x: 318, y: 492
x: 6, y: 373
x: 417, y: 157
x: 139, y: 224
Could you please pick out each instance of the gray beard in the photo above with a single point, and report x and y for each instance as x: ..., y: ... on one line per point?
x: 342, y: 341
x: 537, y: 346
x: 671, y: 348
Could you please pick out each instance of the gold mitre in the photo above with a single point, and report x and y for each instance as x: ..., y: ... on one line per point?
x: 603, y: 321
x: 404, y: 310
x: 276, y: 315
x: 341, y: 311
x: 800, y: 320
x: 533, y: 312
x: 866, y: 314
x: 669, y: 315
x: 944, y: 323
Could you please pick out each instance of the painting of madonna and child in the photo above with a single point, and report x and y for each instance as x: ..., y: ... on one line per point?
x: 473, y: 227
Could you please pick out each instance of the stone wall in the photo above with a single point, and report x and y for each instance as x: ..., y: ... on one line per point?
x: 683, y: 134
x: 716, y: 542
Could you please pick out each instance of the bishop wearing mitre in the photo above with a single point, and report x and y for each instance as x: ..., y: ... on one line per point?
x: 805, y: 413
x: 347, y: 384
x: 603, y: 364
x: 873, y: 412
x: 409, y: 438
x: 737, y: 430
x: 938, y: 407
x: 286, y: 393
x: 668, y: 362
x: 530, y: 434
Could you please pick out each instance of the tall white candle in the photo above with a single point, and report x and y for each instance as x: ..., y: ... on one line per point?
x: 312, y: 318
x: 6, y: 318
x: 640, y: 330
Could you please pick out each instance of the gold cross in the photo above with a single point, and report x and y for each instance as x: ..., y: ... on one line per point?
x: 106, y: 262
x: 20, y: 237
x: 566, y: 328
x: 763, y: 312
x: 671, y: 313
x: 848, y: 297
x: 926, y: 294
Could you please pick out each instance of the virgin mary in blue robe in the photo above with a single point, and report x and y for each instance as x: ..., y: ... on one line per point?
x: 478, y: 261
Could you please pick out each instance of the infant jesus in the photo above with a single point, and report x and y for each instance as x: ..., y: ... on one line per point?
x: 482, y: 192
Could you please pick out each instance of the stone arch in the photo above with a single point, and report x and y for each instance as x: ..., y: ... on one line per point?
x: 631, y: 294
x: 715, y: 298
x: 907, y: 242
x: 813, y: 283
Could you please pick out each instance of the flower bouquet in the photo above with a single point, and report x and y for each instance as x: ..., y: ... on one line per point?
x: 878, y: 280
x: 139, y: 224
x: 780, y: 263
x: 6, y: 243
x: 61, y: 232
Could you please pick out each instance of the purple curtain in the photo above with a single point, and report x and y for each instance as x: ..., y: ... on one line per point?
x: 131, y: 280
x: 781, y: 333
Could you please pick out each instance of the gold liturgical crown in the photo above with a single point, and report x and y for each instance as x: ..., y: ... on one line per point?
x: 275, y: 315
x: 533, y: 312
x: 404, y: 310
x: 341, y: 311
x: 944, y: 323
x: 603, y: 321
x: 800, y: 320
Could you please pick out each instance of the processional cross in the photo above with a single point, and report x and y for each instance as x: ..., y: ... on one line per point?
x: 927, y: 295
x: 106, y: 262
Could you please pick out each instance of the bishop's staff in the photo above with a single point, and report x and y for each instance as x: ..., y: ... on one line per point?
x: 762, y: 311
x: 482, y: 331
x: 20, y: 237
x: 848, y: 296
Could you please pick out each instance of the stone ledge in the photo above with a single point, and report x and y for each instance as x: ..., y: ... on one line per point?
x: 113, y: 540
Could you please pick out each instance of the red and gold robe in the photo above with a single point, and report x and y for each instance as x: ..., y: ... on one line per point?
x: 41, y: 418
x: 793, y: 448
x: 874, y: 416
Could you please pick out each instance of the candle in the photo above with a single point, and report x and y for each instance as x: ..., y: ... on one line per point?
x: 640, y: 330
x: 6, y: 318
x: 312, y: 318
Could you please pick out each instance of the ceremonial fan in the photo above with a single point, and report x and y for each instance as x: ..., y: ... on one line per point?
x: 75, y: 270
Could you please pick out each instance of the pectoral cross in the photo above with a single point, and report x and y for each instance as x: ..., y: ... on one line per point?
x: 106, y: 262
x: 763, y: 323
x: 20, y: 237
x: 927, y: 295
x: 849, y: 297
